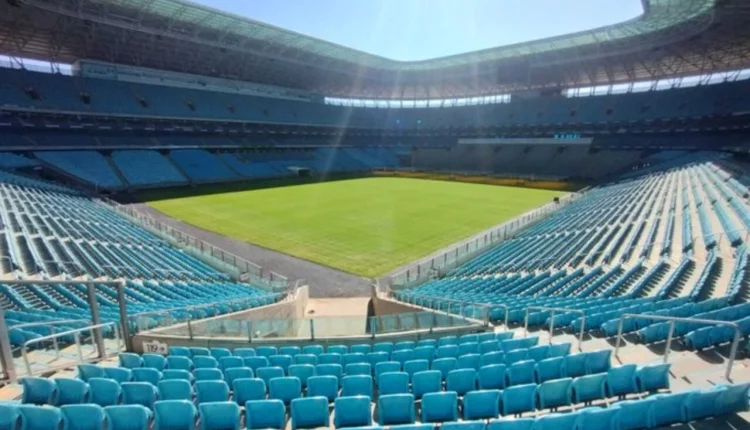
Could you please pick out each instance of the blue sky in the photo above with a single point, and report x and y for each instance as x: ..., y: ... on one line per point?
x: 421, y: 29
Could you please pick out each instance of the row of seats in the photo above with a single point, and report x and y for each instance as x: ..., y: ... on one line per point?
x: 396, y: 411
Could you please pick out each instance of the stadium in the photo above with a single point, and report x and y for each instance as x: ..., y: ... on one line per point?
x: 208, y: 222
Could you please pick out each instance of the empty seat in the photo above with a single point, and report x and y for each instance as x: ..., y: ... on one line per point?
x: 669, y: 408
x: 247, y: 389
x: 219, y: 416
x: 231, y: 362
x: 152, y: 376
x: 282, y: 361
x: 589, y: 388
x: 358, y: 369
x: 179, y: 362
x: 386, y: 367
x: 38, y: 391
x: 290, y: 350
x: 219, y: 353
x: 444, y: 366
x: 205, y: 362
x: 357, y: 385
x: 484, y: 404
x: 353, y: 358
x: 266, y: 351
x: 337, y: 349
x: 447, y: 351
x: 244, y: 352
x: 306, y: 359
x: 468, y: 348
x: 413, y: 366
x: 386, y: 347
x: 469, y: 361
x: 138, y: 393
x: 326, y: 386
x: 402, y: 356
x: 86, y: 371
x: 375, y: 358
x: 361, y: 349
x: 208, y: 375
x: 303, y: 372
x: 394, y: 409
x: 154, y: 361
x: 70, y: 392
x: 519, y: 399
x: 404, y: 345
x: 334, y: 370
x: 538, y: 353
x: 521, y: 372
x: 702, y: 404
x: 104, y: 392
x: 598, y: 361
x: 83, y: 417
x: 129, y: 360
x: 330, y: 358
x: 352, y: 412
x: 505, y: 335
x: 268, y: 373
x: 598, y: 419
x: 511, y: 424
x: 168, y: 374
x: 491, y: 377
x: 174, y: 415
x: 128, y: 417
x: 10, y: 416
x: 515, y: 356
x: 211, y: 391
x: 652, y: 377
x: 558, y: 350
x: 119, y: 374
x: 440, y: 407
x: 393, y: 383
x: 426, y: 352
x: 550, y: 368
x: 40, y: 418
x: 621, y: 380
x: 285, y: 389
x: 575, y: 365
x: 733, y: 398
x: 556, y: 422
x: 310, y: 412
x: 181, y: 351
x: 199, y: 351
x: 461, y: 381
x: 175, y: 390
x: 265, y: 414
x: 555, y: 393
x: 312, y: 349
x: 236, y: 373
x: 635, y: 414
x: 489, y: 346
x: 255, y: 362
x: 429, y: 381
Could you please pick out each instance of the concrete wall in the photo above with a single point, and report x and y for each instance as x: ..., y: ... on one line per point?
x: 382, y: 306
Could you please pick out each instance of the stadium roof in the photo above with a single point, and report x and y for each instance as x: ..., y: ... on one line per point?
x: 672, y: 38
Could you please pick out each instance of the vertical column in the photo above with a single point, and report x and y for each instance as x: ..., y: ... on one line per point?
x: 6, y: 353
x: 95, y: 320
x: 124, y: 317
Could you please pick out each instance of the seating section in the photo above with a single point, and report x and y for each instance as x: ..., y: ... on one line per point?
x: 202, y: 166
x: 141, y: 167
x: 9, y: 160
x: 614, y: 251
x: 52, y: 232
x: 89, y: 166
x: 171, y: 391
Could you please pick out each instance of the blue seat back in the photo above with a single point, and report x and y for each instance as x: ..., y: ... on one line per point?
x: 219, y: 416
x: 138, y: 393
x: 326, y: 386
x: 352, y: 411
x: 555, y: 393
x: 483, y: 404
x: 265, y: 414
x: 83, y: 417
x: 128, y: 417
x: 247, y: 389
x: 38, y: 391
x: 285, y: 389
x: 104, y: 392
x: 310, y: 412
x: 393, y: 383
x: 394, y: 409
x: 175, y: 414
x: 175, y: 389
x: 440, y: 407
x: 211, y: 391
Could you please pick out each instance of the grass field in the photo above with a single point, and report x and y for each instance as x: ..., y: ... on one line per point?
x: 363, y: 226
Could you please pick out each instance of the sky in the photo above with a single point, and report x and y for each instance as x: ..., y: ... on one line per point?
x: 411, y: 30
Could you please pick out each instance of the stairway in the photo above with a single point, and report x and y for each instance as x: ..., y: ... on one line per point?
x: 661, y: 275
x: 637, y: 275
x: 57, y: 296
x: 117, y: 171
x: 31, y: 298
x: 682, y: 286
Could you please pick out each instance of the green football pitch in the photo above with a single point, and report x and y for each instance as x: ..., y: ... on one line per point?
x: 363, y: 226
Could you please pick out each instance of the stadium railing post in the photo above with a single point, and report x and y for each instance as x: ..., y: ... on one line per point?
x: 126, y: 335
x: 190, y: 328
x: 312, y: 329
x: 6, y: 351
x: 249, y: 331
x: 95, y: 319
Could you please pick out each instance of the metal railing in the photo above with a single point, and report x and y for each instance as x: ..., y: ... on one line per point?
x: 670, y: 335
x: 486, y: 309
x: 51, y: 325
x: 552, y: 321
x: 101, y: 351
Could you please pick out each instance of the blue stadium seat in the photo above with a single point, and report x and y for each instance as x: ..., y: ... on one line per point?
x: 463, y: 425
x: 393, y: 383
x: 244, y: 352
x: 247, y: 389
x: 268, y: 373
x: 556, y: 421
x: 128, y: 417
x: 386, y: 347
x: 219, y: 353
x: 265, y: 414
x: 511, y: 424
x: 426, y: 352
x: 308, y: 359
x: 521, y: 372
x: 491, y: 377
x: 404, y: 345
x: 734, y: 398
x: 402, y: 355
x: 337, y: 349
x: 598, y: 419
x: 205, y: 362
x: 375, y: 358
x: 394, y: 409
x: 589, y: 388
x: 255, y: 362
x: 386, y: 367
x: 598, y: 361
x: 575, y: 365
x: 282, y: 361
x: 199, y: 352
x: 555, y: 393
x: 353, y: 358
x: 40, y: 418
x: 635, y: 414
x: 211, y: 392
x: 357, y: 385
x: 152, y: 376
x: 495, y: 357
x: 38, y: 391
x: 621, y: 380
x: 330, y: 358
x: 484, y: 404
x: 171, y: 374
x: 208, y: 375
x: 702, y: 404
x: 219, y: 416
x: 175, y: 415
x: 302, y: 371
x: 10, y: 416
x: 175, y: 389
x: 285, y: 389
x: 489, y: 346
x: 130, y: 361
x: 468, y: 348
x: 445, y: 365
x: 358, y: 369
x: 310, y: 412
x: 70, y: 392
x: 469, y: 361
x: 538, y: 353
x: 669, y: 408
x: 413, y: 366
x: 519, y: 399
x: 361, y: 349
x: 291, y: 351
x: 175, y: 362
x: 119, y: 374
x: 549, y: 368
x: 231, y: 362
x: 558, y: 350
x: 447, y: 351
x: 83, y: 417
x: 139, y: 393
x: 652, y: 377
x: 325, y: 386
x: 104, y: 392
x: 266, y: 351
x: 154, y: 361
x: 429, y: 381
x: 86, y: 371
x: 180, y: 351
x: 461, y: 381
x: 352, y: 411
x: 237, y: 373
x: 312, y: 349
x: 515, y: 356
x: 440, y: 407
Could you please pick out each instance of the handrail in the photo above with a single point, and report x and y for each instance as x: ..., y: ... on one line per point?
x: 552, y: 321
x: 189, y: 307
x: 77, y: 338
x: 672, y: 321
x: 51, y: 325
x: 487, y: 307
